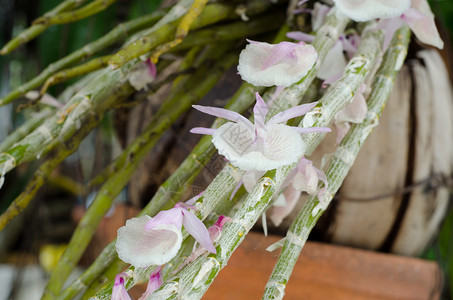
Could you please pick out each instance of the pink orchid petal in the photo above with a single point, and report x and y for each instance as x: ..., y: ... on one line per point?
x: 301, y: 2
x: 214, y: 230
x: 151, y: 68
x: 390, y: 26
x: 278, y: 213
x: 259, y: 111
x: 423, y: 27
x: 278, y: 52
x: 334, y: 62
x: 348, y: 46
x: 194, y: 199
x: 331, y: 80
x: 303, y: 130
x: 250, y: 178
x: 172, y: 216
x: 284, y: 64
x: 300, y: 36
x: 119, y: 291
x: 203, y: 130
x: 198, y: 230
x: 223, y: 113
x: 155, y: 281
x: 318, y: 15
x: 293, y: 112
x: 142, y: 248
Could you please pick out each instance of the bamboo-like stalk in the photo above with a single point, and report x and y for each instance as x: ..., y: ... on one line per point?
x: 35, y: 30
x: 232, y: 31
x: 141, y: 146
x: 70, y: 144
x: 193, y: 280
x: 228, y: 178
x: 211, y: 14
x: 75, y: 15
x: 119, y: 33
x: 340, y: 165
x: 66, y: 74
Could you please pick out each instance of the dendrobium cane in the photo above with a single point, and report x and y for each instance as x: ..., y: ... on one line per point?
x: 283, y: 64
x: 262, y: 145
x: 147, y: 241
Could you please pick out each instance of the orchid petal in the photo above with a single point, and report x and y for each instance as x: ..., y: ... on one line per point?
x: 152, y: 69
x: 194, y: 199
x: 300, y: 36
x: 390, y: 26
x: 172, y: 216
x: 143, y: 248
x: 198, y: 230
x: 306, y: 179
x: 278, y: 213
x: 318, y: 15
x: 203, y: 130
x: 302, y: 130
x: 155, y: 281
x: 259, y: 111
x: 366, y: 10
x: 119, y: 291
x: 282, y: 146
x: 348, y: 45
x: 355, y: 111
x: 423, y: 27
x: 278, y: 52
x: 214, y: 230
x: 250, y: 178
x: 334, y: 62
x: 293, y: 112
x: 223, y: 113
x: 284, y: 71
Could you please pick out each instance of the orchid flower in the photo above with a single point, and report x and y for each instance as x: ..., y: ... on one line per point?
x: 119, y: 291
x: 155, y: 281
x: 143, y: 75
x: 304, y: 178
x: 147, y: 241
x: 258, y: 146
x: 416, y: 14
x: 354, y: 112
x: 283, y: 64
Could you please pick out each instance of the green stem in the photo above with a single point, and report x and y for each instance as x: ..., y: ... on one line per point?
x: 340, y: 165
x: 211, y: 13
x: 135, y: 154
x: 64, y: 149
x: 120, y: 32
x: 71, y: 16
x: 35, y: 30
x: 31, y: 124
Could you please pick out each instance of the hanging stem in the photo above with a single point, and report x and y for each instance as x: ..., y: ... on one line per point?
x: 35, y: 30
x: 340, y: 165
x: 71, y: 16
x: 211, y: 13
x: 119, y: 33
